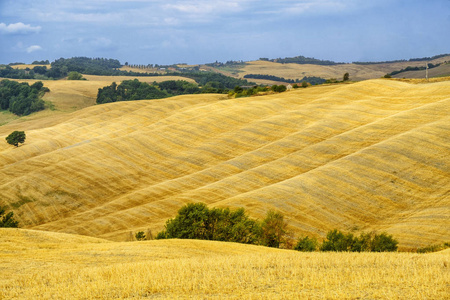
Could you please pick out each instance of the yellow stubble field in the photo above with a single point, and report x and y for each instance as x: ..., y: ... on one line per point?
x: 44, y: 265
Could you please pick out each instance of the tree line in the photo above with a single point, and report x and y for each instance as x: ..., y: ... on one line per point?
x: 301, y: 60
x: 21, y: 98
x: 197, y: 221
x: 409, y: 68
x: 136, y: 90
x: 313, y: 80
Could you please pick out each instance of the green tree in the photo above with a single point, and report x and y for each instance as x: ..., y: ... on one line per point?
x: 338, y: 241
x: 190, y: 223
x: 384, y: 243
x: 75, y: 76
x: 306, y: 244
x: 346, y: 77
x: 196, y: 221
x: 140, y: 236
x: 273, y: 229
x: 7, y: 220
x: 16, y: 137
x: 304, y: 84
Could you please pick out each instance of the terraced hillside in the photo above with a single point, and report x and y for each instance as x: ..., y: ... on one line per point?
x: 372, y: 155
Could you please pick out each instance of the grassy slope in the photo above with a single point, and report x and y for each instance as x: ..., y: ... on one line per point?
x: 357, y: 72
x: 442, y: 70
x: 43, y: 265
x: 70, y: 95
x: 371, y: 155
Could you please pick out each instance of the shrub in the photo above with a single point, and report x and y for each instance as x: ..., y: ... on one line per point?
x: 370, y: 242
x: 75, y: 76
x: 8, y: 219
x: 338, y: 241
x: 140, y: 236
x: 306, y: 244
x: 384, y: 243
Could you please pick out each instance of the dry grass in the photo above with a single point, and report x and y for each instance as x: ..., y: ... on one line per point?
x: 368, y: 156
x: 53, y: 266
x: 24, y: 66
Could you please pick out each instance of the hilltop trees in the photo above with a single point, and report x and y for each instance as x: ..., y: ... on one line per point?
x: 16, y: 138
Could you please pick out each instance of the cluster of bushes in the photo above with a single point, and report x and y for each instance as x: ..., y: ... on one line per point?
x: 197, y: 221
x: 339, y: 241
x: 21, y: 98
x: 434, y: 248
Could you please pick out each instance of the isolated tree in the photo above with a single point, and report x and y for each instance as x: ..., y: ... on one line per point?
x: 7, y: 220
x: 140, y: 236
x: 346, y: 77
x: 304, y: 84
x: 273, y: 229
x: 16, y: 137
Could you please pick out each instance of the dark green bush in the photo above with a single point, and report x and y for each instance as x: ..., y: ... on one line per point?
x: 7, y: 220
x: 371, y: 242
x: 197, y: 221
x: 306, y: 244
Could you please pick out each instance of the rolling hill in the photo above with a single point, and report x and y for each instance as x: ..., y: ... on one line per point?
x: 357, y: 71
x: 372, y: 155
x: 47, y: 265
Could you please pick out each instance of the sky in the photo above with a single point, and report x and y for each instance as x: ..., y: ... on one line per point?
x: 202, y: 31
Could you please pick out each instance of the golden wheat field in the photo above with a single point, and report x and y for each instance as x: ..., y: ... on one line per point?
x: 372, y: 155
x: 45, y: 265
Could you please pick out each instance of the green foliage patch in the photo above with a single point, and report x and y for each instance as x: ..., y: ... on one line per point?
x: 7, y: 219
x: 21, y: 98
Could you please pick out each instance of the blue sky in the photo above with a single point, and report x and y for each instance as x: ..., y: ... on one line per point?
x: 201, y: 31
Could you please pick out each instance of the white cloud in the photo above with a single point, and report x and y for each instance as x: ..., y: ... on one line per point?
x: 18, y: 28
x: 34, y: 48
